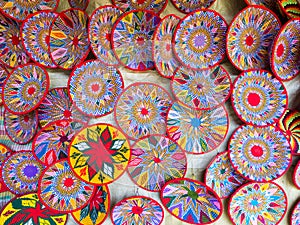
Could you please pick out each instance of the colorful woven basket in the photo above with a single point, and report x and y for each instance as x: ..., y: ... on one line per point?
x: 285, y: 57
x: 32, y: 84
x: 28, y: 209
x: 97, y: 210
x: 141, y: 110
x: 258, y: 98
x: 60, y: 190
x: 259, y: 153
x: 250, y: 36
x: 156, y: 159
x: 21, y: 128
x: 221, y: 176
x: 5, y: 140
x: 51, y: 143
x: 100, y: 28
x: 99, y: 154
x: 69, y: 44
x: 248, y: 204
x: 199, y: 39
x: 137, y: 210
x: 201, y: 89
x: 35, y: 37
x: 12, y: 52
x: 289, y: 123
x: 19, y: 10
x: 163, y: 56
x: 191, y: 201
x: 197, y: 131
x: 58, y: 106
x: 131, y: 43
x: 21, y: 173
x: 291, y: 8
x: 94, y: 88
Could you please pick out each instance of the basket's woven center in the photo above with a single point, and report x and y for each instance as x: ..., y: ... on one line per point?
x: 280, y: 50
x: 257, y: 151
x: 253, y: 99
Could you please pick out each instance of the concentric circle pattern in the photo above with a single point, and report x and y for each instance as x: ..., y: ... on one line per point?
x: 100, y: 28
x: 258, y: 203
x: 259, y: 98
x: 28, y: 209
x: 21, y: 128
x: 20, y: 9
x: 259, y: 153
x: 52, y: 142
x: 141, y: 110
x: 35, y: 37
x: 289, y: 123
x: 199, y: 39
x: 221, y: 176
x: 202, y: 89
x: 285, y: 59
x: 155, y: 160
x: 99, y: 154
x: 58, y: 106
x: 137, y: 210
x: 96, y: 211
x: 163, y: 56
x: 25, y: 88
x: 60, y: 190
x: 94, y: 88
x: 191, y: 201
x: 295, y: 217
x: 197, y: 131
x: 132, y: 38
x: 69, y: 44
x: 250, y: 37
x: 12, y: 52
x: 189, y: 6
x: 156, y: 6
x: 21, y: 173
